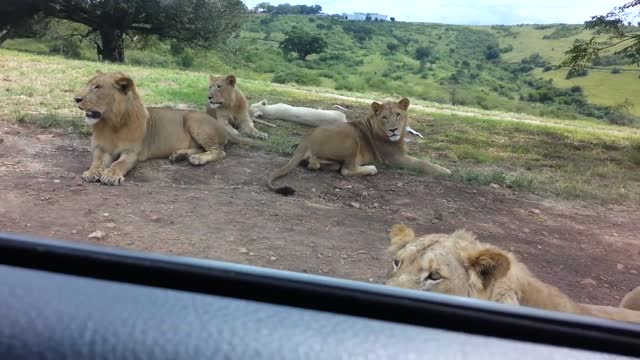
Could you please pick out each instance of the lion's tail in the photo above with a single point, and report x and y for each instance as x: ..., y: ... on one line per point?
x: 298, y: 155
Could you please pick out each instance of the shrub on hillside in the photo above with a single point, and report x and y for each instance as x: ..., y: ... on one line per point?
x: 580, y: 73
x: 67, y: 48
x: 616, y: 71
x: 298, y: 77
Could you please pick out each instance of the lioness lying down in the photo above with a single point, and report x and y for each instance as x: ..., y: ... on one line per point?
x: 458, y: 264
x: 350, y: 147
x: 124, y: 131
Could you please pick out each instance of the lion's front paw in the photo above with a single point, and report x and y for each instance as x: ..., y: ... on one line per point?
x: 92, y: 175
x: 260, y: 135
x: 111, y: 179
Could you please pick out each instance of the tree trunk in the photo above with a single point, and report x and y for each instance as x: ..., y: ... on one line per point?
x: 5, y: 34
x: 112, y: 48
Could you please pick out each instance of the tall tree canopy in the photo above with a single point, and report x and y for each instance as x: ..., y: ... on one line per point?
x: 303, y: 43
x: 610, y: 32
x: 199, y: 22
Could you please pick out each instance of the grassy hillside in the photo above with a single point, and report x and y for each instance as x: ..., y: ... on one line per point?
x: 381, y: 57
x: 566, y: 158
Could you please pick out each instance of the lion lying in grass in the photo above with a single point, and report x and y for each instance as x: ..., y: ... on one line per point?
x: 352, y: 146
x: 125, y: 132
x: 458, y: 264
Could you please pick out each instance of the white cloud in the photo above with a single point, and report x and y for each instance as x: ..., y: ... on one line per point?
x: 471, y: 12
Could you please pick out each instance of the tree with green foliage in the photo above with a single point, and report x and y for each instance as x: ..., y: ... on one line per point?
x: 394, y: 20
x: 610, y: 32
x: 392, y: 47
x: 201, y: 23
x: 423, y: 53
x: 302, y: 43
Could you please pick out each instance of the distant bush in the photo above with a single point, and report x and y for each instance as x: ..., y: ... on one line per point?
x: 563, y: 32
x: 608, y: 60
x: 580, y: 73
x: 149, y: 59
x: 548, y: 68
x: 67, y: 48
x: 616, y: 71
x: 298, y: 77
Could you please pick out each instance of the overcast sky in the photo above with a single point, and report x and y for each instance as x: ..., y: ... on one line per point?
x: 470, y: 12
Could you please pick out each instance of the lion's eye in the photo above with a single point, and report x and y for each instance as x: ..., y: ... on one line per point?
x: 397, y: 116
x: 434, y: 276
x: 218, y: 87
x: 97, y: 86
x: 384, y: 118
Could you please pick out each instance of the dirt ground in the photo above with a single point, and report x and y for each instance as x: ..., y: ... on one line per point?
x: 333, y: 226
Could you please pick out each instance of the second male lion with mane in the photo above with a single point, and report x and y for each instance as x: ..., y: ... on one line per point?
x: 353, y: 146
x: 458, y: 264
x: 228, y: 104
x: 124, y: 131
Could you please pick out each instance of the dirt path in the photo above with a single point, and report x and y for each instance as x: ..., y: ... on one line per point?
x: 333, y: 226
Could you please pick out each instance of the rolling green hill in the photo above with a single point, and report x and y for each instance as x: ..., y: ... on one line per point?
x: 507, y: 68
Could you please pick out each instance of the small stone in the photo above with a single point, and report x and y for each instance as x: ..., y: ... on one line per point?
x: 410, y: 217
x: 56, y: 181
x: 97, y: 235
x: 539, y: 247
x: 620, y: 267
x: 243, y: 251
x: 105, y: 214
x: 110, y: 225
x: 633, y: 271
x: 588, y: 281
x: 44, y: 137
x: 74, y: 231
x: 273, y: 258
x: 251, y: 254
x: 154, y: 217
x: 614, y: 234
x: 355, y: 205
x: 494, y: 186
x: 535, y: 211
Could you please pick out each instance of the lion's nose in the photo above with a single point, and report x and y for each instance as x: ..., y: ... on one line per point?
x: 393, y: 130
x: 78, y: 99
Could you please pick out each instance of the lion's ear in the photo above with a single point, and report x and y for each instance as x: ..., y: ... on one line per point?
x: 231, y: 80
x: 263, y: 102
x: 404, y: 103
x: 375, y: 106
x: 124, y: 83
x: 212, y: 78
x: 400, y: 235
x: 489, y: 265
x: 99, y: 73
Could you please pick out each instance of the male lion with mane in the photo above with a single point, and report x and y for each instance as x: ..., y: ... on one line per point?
x: 458, y: 264
x: 379, y: 137
x: 124, y: 131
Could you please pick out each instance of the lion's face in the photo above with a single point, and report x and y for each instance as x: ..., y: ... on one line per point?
x: 455, y: 264
x: 390, y: 119
x: 257, y: 110
x: 221, y: 90
x: 105, y: 96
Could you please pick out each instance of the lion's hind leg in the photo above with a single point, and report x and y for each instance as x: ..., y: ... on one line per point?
x: 210, y: 134
x: 212, y: 154
x: 182, y: 155
x: 352, y: 169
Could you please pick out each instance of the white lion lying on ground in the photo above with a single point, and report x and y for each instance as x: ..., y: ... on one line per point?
x: 302, y: 115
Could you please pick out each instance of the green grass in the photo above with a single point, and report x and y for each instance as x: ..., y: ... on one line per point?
x: 576, y: 159
x: 368, y: 67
